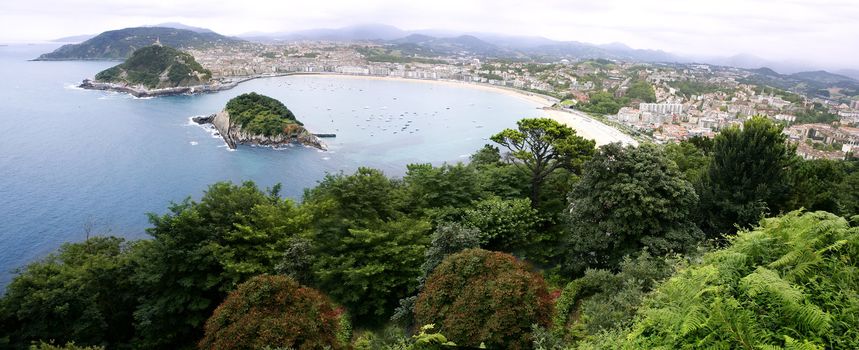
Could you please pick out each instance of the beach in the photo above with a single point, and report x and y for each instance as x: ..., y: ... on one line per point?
x: 584, y: 125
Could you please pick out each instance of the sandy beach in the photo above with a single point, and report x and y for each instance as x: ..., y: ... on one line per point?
x: 584, y: 125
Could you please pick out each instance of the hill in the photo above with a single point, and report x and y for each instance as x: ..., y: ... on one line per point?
x: 120, y: 44
x: 259, y: 120
x: 157, y: 67
x: 813, y: 83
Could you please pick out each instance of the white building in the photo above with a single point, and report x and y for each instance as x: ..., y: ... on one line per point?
x: 661, y: 108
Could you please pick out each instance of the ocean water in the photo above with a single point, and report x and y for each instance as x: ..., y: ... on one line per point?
x: 72, y: 158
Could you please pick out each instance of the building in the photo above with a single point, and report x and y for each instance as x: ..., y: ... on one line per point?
x: 661, y: 108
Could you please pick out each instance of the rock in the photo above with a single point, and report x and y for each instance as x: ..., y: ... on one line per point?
x: 233, y: 134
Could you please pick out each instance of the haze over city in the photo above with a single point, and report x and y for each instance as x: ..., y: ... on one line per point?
x: 809, y: 33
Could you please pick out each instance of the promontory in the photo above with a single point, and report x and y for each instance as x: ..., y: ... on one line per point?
x: 157, y: 70
x: 259, y: 120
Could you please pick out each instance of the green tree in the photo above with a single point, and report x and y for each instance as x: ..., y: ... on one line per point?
x: 446, y: 186
x: 190, y: 264
x: 815, y: 185
x: 369, y: 270
x: 477, y: 296
x: 504, y: 225
x: 540, y: 146
x: 747, y: 177
x: 629, y: 198
x: 273, y: 311
x: 641, y: 90
x: 83, y: 293
x: 789, y: 283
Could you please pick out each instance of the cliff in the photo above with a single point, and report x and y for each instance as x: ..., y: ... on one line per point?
x: 257, y: 120
x: 234, y: 135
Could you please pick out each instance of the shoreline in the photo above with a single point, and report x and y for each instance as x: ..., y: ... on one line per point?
x: 584, y: 125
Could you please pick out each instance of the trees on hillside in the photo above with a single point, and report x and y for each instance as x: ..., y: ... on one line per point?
x: 629, y: 198
x: 747, y: 176
x: 539, y: 146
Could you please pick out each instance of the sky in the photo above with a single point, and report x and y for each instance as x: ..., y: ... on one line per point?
x: 823, y: 33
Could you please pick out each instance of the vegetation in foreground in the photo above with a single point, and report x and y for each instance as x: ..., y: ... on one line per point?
x: 616, y: 247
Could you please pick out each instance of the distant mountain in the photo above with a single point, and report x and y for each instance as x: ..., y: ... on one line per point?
x: 119, y: 44
x: 74, y: 38
x: 177, y: 25
x: 426, y: 45
x: 814, y: 83
x: 852, y: 73
x: 157, y: 67
x: 362, y: 32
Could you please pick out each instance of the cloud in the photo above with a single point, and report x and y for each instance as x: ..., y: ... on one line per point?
x: 819, y: 31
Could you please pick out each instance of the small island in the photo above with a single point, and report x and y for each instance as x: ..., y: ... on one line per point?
x: 259, y: 120
x: 157, y: 70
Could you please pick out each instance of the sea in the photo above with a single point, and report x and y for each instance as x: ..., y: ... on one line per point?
x: 77, y: 162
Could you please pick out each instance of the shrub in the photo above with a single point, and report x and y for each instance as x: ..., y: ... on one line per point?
x: 790, y: 283
x: 477, y: 296
x: 273, y: 311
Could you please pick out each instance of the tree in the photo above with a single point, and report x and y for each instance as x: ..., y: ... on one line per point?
x: 273, y: 311
x: 629, y: 198
x: 83, y: 293
x: 815, y: 185
x: 539, y: 146
x: 369, y: 270
x: 477, y: 296
x: 448, y: 186
x: 602, y: 300
x: 791, y: 282
x: 747, y: 177
x: 504, y: 225
x: 199, y: 252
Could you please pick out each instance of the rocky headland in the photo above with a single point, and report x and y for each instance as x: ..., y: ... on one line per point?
x: 257, y: 120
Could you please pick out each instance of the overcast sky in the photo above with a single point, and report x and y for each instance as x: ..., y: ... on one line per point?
x: 822, y: 32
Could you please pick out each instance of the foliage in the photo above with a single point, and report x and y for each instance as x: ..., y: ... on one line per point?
x: 260, y: 114
x: 747, y: 177
x: 68, y: 346
x: 147, y: 65
x: 817, y: 113
x: 273, y: 311
x: 370, y: 270
x: 601, y: 300
x: 190, y: 264
x: 602, y: 102
x: 82, y: 293
x: 789, y: 283
x: 691, y: 160
x: 504, y: 225
x: 477, y: 296
x: 629, y: 198
x: 446, y: 186
x: 539, y: 146
x: 815, y: 185
x: 641, y: 90
x: 691, y: 88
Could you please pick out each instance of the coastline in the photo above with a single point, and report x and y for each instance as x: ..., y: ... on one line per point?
x: 584, y: 125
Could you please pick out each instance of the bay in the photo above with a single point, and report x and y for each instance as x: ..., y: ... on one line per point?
x: 72, y: 158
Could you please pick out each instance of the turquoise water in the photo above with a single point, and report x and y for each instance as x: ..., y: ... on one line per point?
x: 69, y: 157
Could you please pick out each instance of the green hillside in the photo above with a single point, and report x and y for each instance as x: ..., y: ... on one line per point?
x: 157, y: 67
x: 260, y: 114
x: 120, y: 44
